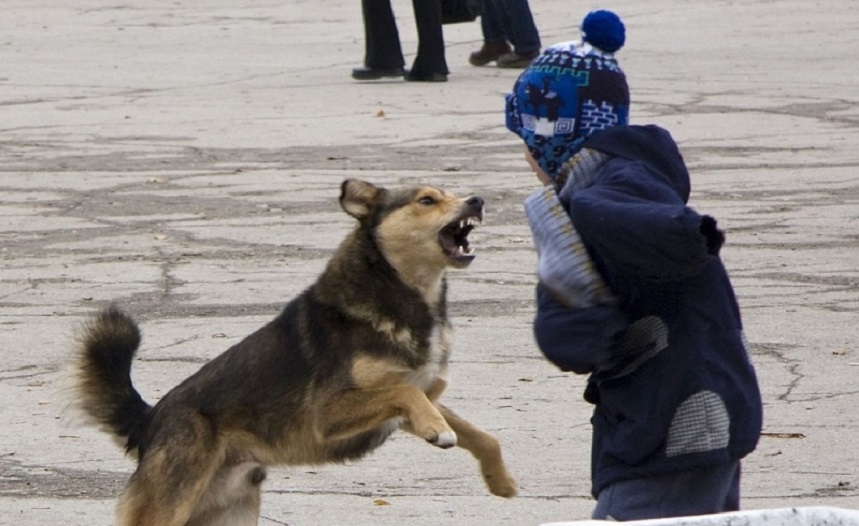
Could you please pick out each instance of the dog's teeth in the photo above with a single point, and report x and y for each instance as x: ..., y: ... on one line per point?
x: 462, y: 223
x: 460, y: 251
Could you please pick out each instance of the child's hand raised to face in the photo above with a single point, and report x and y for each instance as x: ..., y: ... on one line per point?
x: 535, y: 167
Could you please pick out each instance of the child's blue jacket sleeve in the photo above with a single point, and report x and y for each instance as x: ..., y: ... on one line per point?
x: 638, y: 228
x: 577, y: 340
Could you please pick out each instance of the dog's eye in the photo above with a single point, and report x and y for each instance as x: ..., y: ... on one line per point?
x: 426, y: 200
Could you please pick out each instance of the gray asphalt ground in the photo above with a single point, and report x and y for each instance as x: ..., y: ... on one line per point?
x: 184, y: 160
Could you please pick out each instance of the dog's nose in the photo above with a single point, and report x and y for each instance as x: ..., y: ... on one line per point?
x: 475, y: 202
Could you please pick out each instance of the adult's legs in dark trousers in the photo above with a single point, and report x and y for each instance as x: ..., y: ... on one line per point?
x: 510, y: 20
x: 430, y: 57
x: 523, y: 31
x: 382, y: 49
x: 493, y: 22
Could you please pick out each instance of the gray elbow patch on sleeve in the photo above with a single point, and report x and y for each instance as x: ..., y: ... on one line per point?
x: 701, y: 423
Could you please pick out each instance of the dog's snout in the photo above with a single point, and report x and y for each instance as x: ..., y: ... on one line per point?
x: 475, y: 202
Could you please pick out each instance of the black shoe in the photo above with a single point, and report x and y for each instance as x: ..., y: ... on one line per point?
x: 489, y: 52
x: 411, y: 76
x: 515, y: 60
x: 377, y: 73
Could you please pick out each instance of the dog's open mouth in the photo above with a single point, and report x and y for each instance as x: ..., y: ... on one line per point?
x: 454, y: 239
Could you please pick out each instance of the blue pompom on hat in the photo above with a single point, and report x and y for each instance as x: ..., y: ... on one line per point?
x: 604, y: 30
x: 570, y: 91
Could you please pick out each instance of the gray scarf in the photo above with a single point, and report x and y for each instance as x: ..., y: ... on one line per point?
x: 564, y: 265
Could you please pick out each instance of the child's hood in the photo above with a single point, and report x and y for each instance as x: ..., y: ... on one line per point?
x: 651, y: 144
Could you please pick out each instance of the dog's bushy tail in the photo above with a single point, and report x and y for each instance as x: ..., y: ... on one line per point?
x: 106, y: 349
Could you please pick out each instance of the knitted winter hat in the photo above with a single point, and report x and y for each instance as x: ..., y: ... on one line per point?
x: 569, y: 91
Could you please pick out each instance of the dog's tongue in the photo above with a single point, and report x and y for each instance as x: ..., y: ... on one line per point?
x: 448, y: 243
x: 454, y: 241
x: 456, y: 251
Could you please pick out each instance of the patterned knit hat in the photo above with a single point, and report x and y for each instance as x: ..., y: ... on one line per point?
x: 570, y: 91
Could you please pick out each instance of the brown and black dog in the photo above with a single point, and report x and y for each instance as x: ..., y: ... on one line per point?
x: 359, y: 354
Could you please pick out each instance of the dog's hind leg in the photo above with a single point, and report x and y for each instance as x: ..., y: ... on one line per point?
x: 233, y: 497
x: 173, y: 474
x: 486, y: 450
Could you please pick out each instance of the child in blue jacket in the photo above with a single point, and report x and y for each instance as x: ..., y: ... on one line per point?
x: 632, y: 290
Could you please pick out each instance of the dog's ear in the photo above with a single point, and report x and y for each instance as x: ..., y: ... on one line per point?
x: 358, y: 197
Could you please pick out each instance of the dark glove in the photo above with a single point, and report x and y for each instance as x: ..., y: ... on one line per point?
x: 641, y: 341
x: 714, y: 237
x: 592, y: 391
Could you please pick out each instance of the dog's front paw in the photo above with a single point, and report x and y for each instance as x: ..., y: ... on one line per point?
x: 501, y: 484
x: 444, y: 440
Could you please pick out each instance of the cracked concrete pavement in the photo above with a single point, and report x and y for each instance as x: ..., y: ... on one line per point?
x: 184, y: 160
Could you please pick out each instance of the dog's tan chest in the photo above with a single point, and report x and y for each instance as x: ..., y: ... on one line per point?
x: 370, y: 371
x: 435, y: 368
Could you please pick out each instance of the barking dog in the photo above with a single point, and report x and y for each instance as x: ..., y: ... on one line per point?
x: 359, y: 354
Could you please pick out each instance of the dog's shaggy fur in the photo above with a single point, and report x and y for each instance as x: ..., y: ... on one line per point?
x: 359, y: 354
